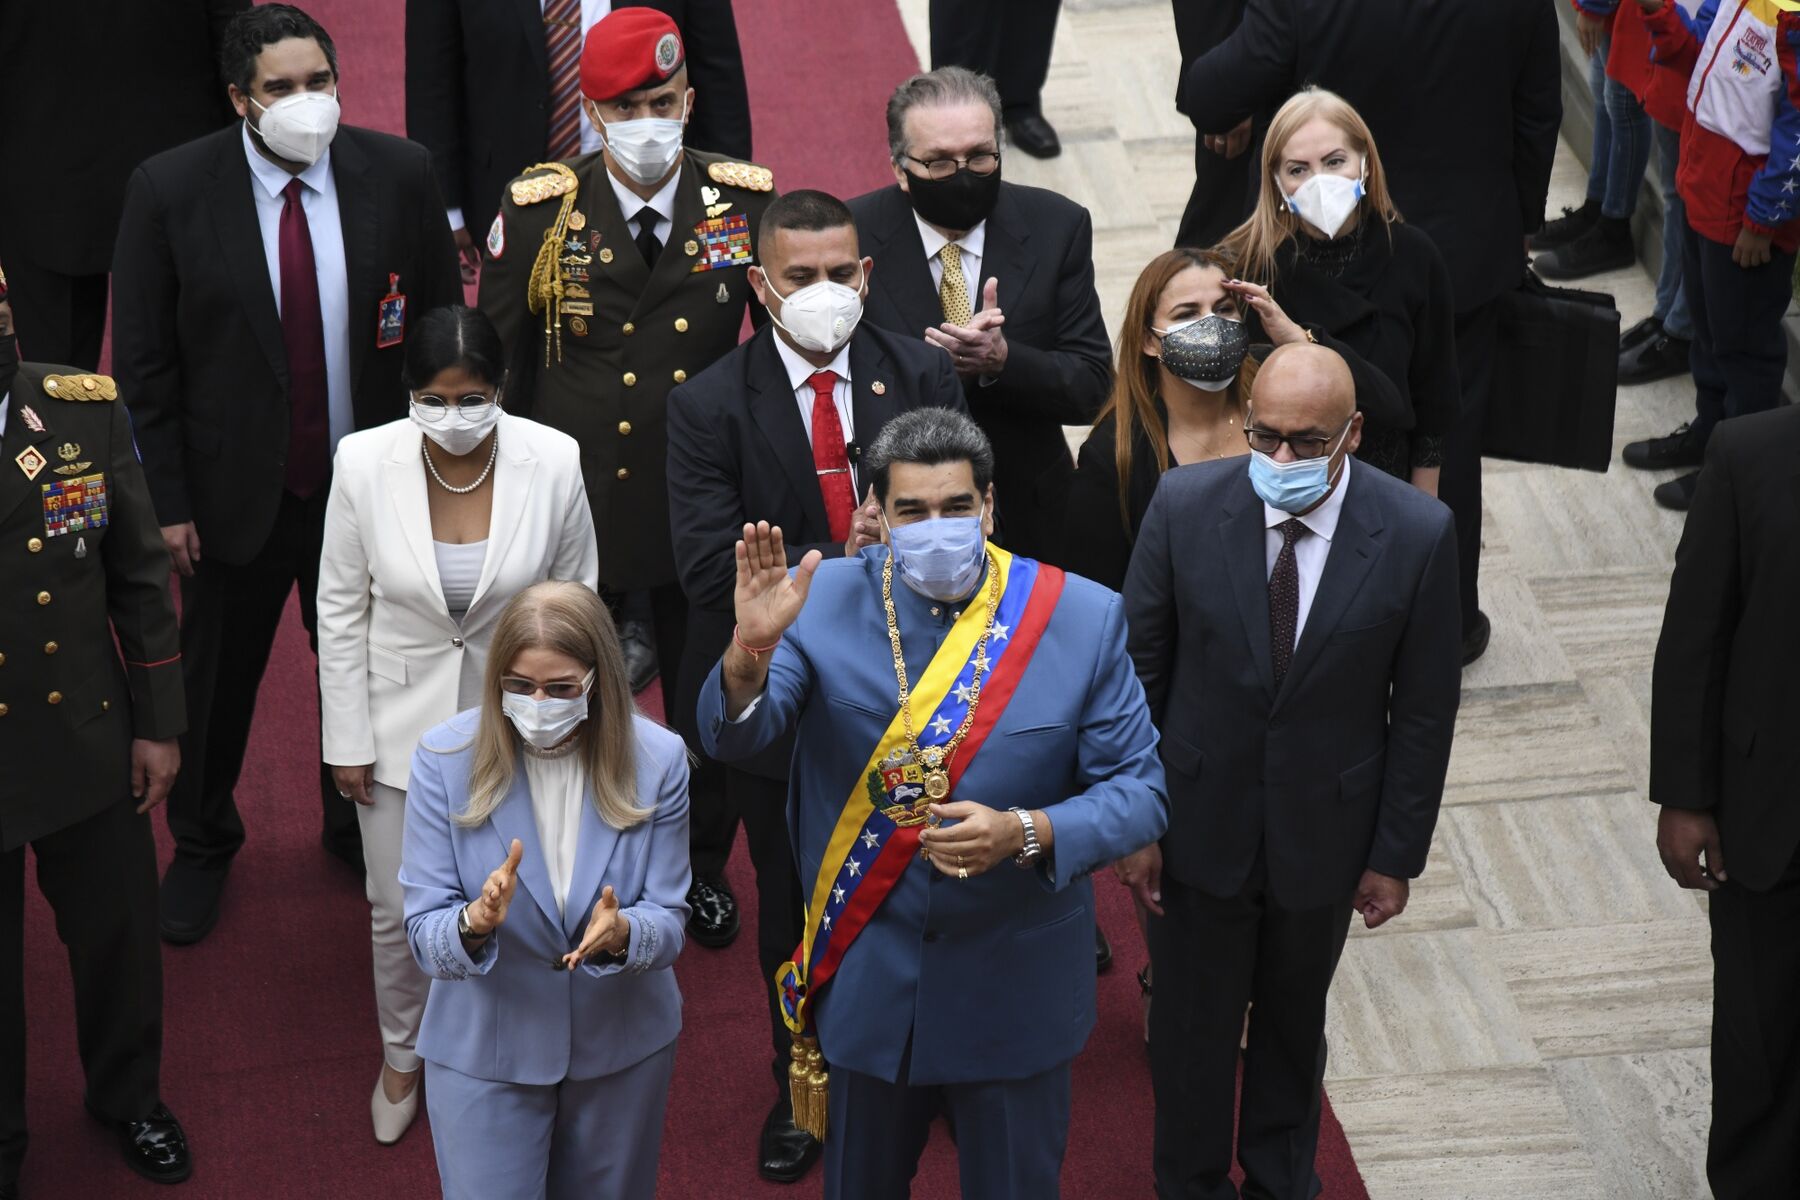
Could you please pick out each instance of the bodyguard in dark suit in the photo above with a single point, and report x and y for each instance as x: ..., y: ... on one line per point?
x: 1723, y: 760
x: 1465, y: 103
x: 483, y: 91
x: 67, y: 149
x: 91, y: 742
x: 264, y: 278
x: 773, y: 431
x: 960, y: 249
x: 1224, y: 187
x: 1295, y: 629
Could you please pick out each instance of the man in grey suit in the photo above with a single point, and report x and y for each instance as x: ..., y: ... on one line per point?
x: 1295, y: 624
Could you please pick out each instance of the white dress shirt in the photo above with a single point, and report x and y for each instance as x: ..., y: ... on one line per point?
x: 663, y: 203
x: 1310, y: 551
x: 558, y: 790
x: 459, y: 573
x: 5, y: 403
x: 319, y: 201
x: 800, y: 373
x: 970, y: 243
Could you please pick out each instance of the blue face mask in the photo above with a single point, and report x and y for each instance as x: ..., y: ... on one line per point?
x: 940, y: 557
x: 1296, y: 486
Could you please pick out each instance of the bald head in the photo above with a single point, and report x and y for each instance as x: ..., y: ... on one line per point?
x: 1305, y: 391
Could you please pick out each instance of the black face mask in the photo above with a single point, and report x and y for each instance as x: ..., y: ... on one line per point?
x: 9, y: 362
x: 960, y: 202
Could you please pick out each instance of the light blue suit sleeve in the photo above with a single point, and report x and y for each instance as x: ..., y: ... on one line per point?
x: 433, y: 885
x: 659, y: 918
x: 1125, y: 804
x: 790, y: 682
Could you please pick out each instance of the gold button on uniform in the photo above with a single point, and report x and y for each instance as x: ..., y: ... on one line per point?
x: 56, y: 697
x: 106, y: 706
x: 2, y: 660
x: 50, y: 647
x: 630, y: 329
x: 43, y: 597
x: 624, y: 428
x: 680, y: 324
x: 681, y: 377
x: 34, y: 545
x: 624, y: 472
x: 4, y: 710
x: 630, y: 379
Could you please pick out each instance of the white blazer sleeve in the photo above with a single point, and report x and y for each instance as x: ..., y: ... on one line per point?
x: 577, y: 557
x: 344, y: 598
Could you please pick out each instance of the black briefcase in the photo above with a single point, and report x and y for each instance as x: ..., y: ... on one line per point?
x: 1556, y: 377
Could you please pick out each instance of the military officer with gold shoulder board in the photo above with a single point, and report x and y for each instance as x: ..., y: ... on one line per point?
x: 613, y: 277
x: 89, y: 741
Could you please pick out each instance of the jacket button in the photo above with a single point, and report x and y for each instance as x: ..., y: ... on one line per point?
x: 34, y: 545
x: 624, y: 428
x: 4, y: 710
x: 55, y: 697
x: 105, y: 705
x: 630, y: 329
x: 680, y: 324
x: 50, y: 647
x: 681, y: 377
x: 43, y: 597
x: 2, y: 660
x: 457, y: 642
x: 630, y: 379
x: 624, y: 472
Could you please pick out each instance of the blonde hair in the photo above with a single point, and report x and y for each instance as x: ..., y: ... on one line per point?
x: 1131, y: 405
x: 1254, y: 243
x: 569, y: 619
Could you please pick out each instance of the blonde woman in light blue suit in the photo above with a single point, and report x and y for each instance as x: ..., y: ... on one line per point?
x: 546, y: 873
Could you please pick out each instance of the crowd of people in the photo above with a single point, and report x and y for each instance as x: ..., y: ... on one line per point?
x: 942, y: 671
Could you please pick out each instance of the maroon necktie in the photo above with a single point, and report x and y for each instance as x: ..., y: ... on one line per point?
x: 1284, y: 598
x: 303, y: 337
x: 562, y: 40
x: 829, y: 458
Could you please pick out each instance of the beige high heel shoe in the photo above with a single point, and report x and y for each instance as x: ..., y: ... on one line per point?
x: 392, y: 1119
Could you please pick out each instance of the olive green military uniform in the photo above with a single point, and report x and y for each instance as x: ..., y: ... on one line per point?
x: 81, y: 560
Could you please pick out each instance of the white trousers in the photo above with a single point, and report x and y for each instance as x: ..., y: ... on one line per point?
x: 400, y: 987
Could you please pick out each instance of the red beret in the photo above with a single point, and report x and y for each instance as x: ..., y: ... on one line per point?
x: 628, y: 49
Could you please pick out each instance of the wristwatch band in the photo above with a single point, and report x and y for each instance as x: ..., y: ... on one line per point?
x: 1031, y: 851
x: 462, y: 926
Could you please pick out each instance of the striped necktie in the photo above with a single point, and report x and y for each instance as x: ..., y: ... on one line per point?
x: 562, y: 39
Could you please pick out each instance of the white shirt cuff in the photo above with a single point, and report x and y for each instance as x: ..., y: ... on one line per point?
x: 456, y: 219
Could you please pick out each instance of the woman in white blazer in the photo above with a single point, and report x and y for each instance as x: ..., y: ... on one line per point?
x: 434, y: 523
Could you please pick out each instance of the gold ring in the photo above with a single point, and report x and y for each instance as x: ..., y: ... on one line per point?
x: 962, y: 872
x: 959, y: 860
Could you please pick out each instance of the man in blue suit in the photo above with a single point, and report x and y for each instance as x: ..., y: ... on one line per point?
x: 958, y: 982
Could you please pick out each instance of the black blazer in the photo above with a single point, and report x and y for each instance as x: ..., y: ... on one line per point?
x: 1464, y: 101
x: 478, y: 90
x: 1724, y: 701
x: 1342, y: 769
x: 1058, y: 368
x: 738, y: 452
x: 1099, y: 536
x: 197, y: 344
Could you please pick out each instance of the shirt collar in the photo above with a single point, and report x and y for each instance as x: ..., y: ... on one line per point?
x: 800, y: 372
x: 1322, y: 520
x: 274, y: 179
x: 5, y: 403
x: 630, y: 202
x: 971, y: 241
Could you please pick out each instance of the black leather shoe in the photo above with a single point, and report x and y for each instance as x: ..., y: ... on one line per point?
x: 712, y: 912
x: 1605, y: 247
x: 1677, y: 493
x: 155, y: 1147
x: 1640, y: 333
x: 1683, y: 448
x: 1475, y: 638
x: 1662, y: 357
x: 1102, y: 951
x: 1034, y: 135
x: 640, y: 654
x: 190, y: 902
x: 1572, y: 224
x: 785, y: 1152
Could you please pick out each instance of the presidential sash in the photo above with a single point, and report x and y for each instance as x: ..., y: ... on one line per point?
x: 868, y: 851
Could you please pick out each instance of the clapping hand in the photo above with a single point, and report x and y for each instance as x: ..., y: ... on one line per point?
x: 488, y: 910
x: 979, y: 348
x: 607, y: 933
x: 865, y: 526
x: 768, y: 599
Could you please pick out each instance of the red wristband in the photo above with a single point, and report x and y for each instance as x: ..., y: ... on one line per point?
x: 755, y: 652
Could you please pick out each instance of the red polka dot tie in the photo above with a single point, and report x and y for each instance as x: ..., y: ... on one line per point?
x: 1284, y: 598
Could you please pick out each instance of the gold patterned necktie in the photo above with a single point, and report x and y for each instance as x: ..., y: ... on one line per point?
x: 953, y: 292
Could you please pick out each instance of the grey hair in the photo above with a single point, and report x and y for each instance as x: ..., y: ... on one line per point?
x: 946, y: 85
x: 929, y: 436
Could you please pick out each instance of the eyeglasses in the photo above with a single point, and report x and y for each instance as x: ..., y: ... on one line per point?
x: 561, y: 690
x: 1267, y: 441
x: 432, y: 408
x: 982, y: 162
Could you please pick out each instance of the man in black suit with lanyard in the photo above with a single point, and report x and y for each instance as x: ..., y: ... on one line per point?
x: 772, y: 432
x: 263, y: 282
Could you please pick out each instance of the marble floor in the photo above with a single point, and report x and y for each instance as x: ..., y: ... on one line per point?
x: 1536, y: 1024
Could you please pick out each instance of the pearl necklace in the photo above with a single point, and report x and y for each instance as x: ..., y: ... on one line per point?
x: 493, y: 453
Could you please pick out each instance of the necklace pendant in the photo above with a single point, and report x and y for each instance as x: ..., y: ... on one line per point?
x: 937, y: 784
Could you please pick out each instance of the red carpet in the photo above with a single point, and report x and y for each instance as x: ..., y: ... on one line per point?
x: 271, y: 1045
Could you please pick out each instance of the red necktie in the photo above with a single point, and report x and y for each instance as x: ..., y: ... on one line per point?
x: 832, y: 464
x: 303, y: 337
x: 562, y: 40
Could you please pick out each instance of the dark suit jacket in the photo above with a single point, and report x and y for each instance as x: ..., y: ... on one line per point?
x: 478, y: 90
x: 1342, y: 768
x: 1058, y: 367
x: 1464, y: 101
x: 197, y: 341
x: 1724, y: 702
x: 738, y: 452
x: 78, y: 120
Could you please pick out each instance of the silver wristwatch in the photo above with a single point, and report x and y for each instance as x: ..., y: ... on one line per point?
x: 1031, y: 851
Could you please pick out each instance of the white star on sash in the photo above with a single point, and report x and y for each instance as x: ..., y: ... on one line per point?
x: 852, y: 866
x: 1001, y: 632
x: 941, y: 724
x: 869, y: 839
x: 1790, y: 186
x: 825, y: 920
x: 963, y: 692
x: 837, y: 895
x: 1795, y: 165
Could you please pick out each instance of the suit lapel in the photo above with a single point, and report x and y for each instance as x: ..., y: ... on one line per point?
x: 868, y: 411
x: 626, y: 271
x: 902, y: 270
x: 675, y: 264
x: 1005, y: 254
x: 773, y: 408
x: 1244, y: 535
x: 359, y: 216
x: 405, y: 480
x: 593, y: 854
x: 233, y: 204
x: 513, y: 818
x: 1354, y: 548
x: 511, y: 486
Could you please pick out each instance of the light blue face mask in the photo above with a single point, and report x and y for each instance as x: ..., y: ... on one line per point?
x: 1296, y: 486
x: 940, y: 557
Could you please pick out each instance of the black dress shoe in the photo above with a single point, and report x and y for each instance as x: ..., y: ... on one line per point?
x: 785, y: 1151
x: 1475, y: 638
x: 1662, y: 357
x: 712, y: 912
x: 1102, y: 951
x: 189, y: 905
x: 1640, y: 333
x: 639, y: 645
x: 1677, y: 493
x: 1034, y: 135
x: 1683, y: 448
x: 1605, y: 247
x: 1572, y: 224
x: 155, y: 1147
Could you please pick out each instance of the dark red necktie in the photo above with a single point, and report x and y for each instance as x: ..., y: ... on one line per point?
x: 829, y: 459
x: 1284, y: 598
x: 303, y: 337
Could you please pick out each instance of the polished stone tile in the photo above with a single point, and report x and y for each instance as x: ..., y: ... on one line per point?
x: 1521, y: 743
x: 1606, y: 622
x: 1522, y: 649
x: 1644, y: 1118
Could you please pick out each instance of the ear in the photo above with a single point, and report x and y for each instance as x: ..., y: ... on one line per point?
x: 239, y: 101
x: 987, y: 513
x: 591, y: 111
x: 900, y: 176
x: 1152, y: 344
x: 1353, y: 439
x: 687, y: 108
x: 759, y: 281
x: 868, y: 268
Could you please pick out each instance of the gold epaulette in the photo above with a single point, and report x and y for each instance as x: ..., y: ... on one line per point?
x: 748, y: 176
x: 557, y: 180
x: 81, y: 387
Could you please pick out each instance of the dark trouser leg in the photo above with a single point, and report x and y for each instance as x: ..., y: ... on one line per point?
x: 1029, y: 29
x: 878, y: 1131
x: 1224, y: 192
x: 763, y: 805
x: 59, y: 318
x: 1011, y: 1134
x: 1460, y: 485
x: 1740, y: 352
x: 12, y: 1013
x: 1204, y: 953
x: 341, y: 832
x: 1754, y: 1150
x: 967, y: 33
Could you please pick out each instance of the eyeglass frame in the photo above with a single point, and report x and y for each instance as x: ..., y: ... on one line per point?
x: 433, y: 413
x: 581, y: 689
x: 967, y: 162
x: 1251, y: 433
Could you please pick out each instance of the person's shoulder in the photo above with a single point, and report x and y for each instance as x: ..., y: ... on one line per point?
x: 1413, y: 244
x: 543, y: 441
x: 880, y: 204
x: 748, y: 183
x: 1102, y: 440
x: 659, y: 743
x: 1085, y: 600
x: 364, y: 445
x: 526, y: 194
x: 73, y: 395
x: 452, y: 737
x: 1043, y: 207
x: 1200, y: 482
x: 721, y: 381
x: 1764, y: 435
x: 1405, y: 504
x: 190, y: 160
x: 380, y: 146
x: 913, y: 353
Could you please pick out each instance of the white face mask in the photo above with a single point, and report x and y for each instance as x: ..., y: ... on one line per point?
x: 820, y: 316
x: 1326, y: 201
x: 646, y: 148
x: 456, y: 432
x: 545, y: 723
x: 300, y: 127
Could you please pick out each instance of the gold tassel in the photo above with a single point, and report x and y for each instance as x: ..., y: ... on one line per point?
x: 807, y: 1086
